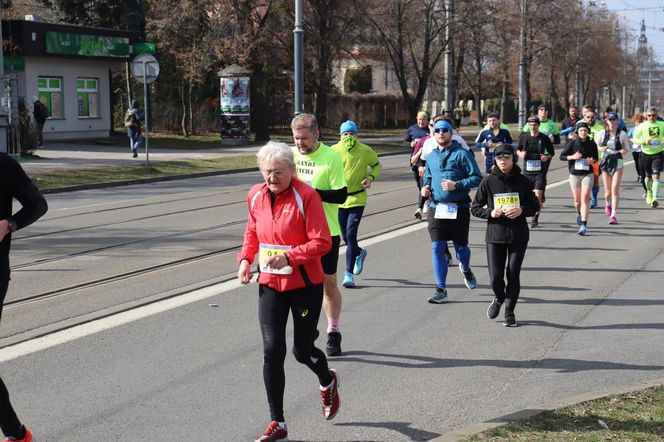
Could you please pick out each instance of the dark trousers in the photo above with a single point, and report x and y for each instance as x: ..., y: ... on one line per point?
x: 418, y: 180
x: 273, y: 309
x: 9, y: 423
x: 40, y: 132
x: 497, y: 256
x: 640, y: 172
x: 349, y: 220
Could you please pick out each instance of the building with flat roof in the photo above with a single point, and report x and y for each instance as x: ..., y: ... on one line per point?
x: 69, y: 68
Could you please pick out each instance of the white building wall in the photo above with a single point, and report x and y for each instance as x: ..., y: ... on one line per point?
x: 70, y: 125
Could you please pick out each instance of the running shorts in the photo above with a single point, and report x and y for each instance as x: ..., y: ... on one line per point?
x: 450, y: 229
x: 331, y: 260
x: 652, y: 164
x: 577, y: 181
x: 538, y: 180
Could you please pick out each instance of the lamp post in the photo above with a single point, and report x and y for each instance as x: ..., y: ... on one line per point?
x: 298, y: 58
x: 3, y: 105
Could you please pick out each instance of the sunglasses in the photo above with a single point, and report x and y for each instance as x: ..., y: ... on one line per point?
x: 503, y: 156
x: 441, y: 130
x: 651, y: 115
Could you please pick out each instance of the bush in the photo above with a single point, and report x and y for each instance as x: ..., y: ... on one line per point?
x: 358, y: 80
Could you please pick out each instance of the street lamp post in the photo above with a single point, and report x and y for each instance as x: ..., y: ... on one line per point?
x: 298, y: 58
x: 522, y: 66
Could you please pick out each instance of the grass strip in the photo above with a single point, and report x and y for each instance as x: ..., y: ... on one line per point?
x: 636, y: 416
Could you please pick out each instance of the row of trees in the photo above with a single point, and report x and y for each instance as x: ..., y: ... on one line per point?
x: 567, y: 43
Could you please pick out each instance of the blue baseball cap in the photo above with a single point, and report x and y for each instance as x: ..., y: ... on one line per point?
x: 348, y: 126
x: 442, y: 124
x: 611, y: 116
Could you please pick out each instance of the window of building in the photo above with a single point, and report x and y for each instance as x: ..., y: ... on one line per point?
x: 87, y: 92
x: 50, y: 93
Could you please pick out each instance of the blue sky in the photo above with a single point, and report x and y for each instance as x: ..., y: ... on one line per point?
x: 633, y: 11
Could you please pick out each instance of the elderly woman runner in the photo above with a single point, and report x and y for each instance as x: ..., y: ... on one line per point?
x: 287, y: 229
x: 505, y: 198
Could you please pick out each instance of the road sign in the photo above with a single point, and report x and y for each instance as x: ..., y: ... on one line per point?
x: 145, y: 68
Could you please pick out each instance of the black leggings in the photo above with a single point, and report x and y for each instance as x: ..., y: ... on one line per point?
x: 418, y: 180
x: 497, y: 255
x: 639, y: 168
x: 273, y: 310
x: 9, y: 422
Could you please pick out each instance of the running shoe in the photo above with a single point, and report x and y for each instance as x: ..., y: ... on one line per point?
x: 26, y: 438
x: 348, y: 281
x: 534, y: 223
x: 418, y: 213
x: 440, y: 297
x: 510, y: 320
x: 582, y: 230
x: 613, y: 220
x: 607, y: 208
x: 494, y: 309
x: 654, y: 204
x: 330, y: 395
x: 359, y: 262
x: 274, y: 433
x: 333, y: 344
x: 643, y: 195
x: 468, y: 277
x: 579, y: 221
x: 649, y: 197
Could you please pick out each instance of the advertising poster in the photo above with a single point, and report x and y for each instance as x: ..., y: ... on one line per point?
x: 235, y: 106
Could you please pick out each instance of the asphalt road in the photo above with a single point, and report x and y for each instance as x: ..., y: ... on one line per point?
x: 590, y: 319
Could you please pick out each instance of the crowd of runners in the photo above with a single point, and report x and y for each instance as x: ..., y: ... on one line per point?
x: 313, y: 195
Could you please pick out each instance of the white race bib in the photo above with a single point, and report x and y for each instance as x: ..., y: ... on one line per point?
x: 654, y: 142
x: 581, y: 165
x: 268, y: 250
x: 506, y: 200
x: 533, y: 165
x: 446, y: 211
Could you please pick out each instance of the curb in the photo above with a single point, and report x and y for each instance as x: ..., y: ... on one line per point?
x: 457, y: 435
x: 161, y: 178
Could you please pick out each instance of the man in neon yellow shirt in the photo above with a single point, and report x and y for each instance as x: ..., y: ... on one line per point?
x: 650, y: 135
x: 547, y: 126
x: 320, y: 167
x: 358, y: 158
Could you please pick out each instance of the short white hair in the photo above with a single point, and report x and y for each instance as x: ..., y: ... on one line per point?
x: 274, y: 151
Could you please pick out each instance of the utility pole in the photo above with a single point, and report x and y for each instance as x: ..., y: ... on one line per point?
x: 522, y: 66
x: 449, y: 93
x: 298, y: 58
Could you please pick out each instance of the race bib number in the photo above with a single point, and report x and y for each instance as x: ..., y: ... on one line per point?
x: 533, y: 165
x: 581, y: 165
x: 268, y: 250
x: 506, y: 200
x: 446, y: 211
x: 655, y: 142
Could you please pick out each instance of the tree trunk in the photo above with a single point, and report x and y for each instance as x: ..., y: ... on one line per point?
x: 260, y: 118
x: 192, y: 130
x: 184, y: 111
x: 128, y: 78
x: 503, y: 97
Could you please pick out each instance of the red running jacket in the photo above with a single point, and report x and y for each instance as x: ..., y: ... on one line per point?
x: 296, y: 219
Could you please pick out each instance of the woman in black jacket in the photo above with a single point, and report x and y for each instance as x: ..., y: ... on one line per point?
x: 505, y: 198
x: 580, y: 154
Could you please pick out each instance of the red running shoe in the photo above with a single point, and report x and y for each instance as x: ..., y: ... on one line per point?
x: 27, y: 438
x: 330, y: 395
x: 274, y: 433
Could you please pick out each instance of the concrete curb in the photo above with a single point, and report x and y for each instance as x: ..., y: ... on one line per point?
x: 471, y: 430
x: 162, y: 178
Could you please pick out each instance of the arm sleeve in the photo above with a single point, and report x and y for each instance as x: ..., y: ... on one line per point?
x: 374, y: 164
x: 33, y: 204
x: 250, y: 243
x: 567, y: 150
x: 319, y: 241
x: 338, y: 192
x: 478, y: 208
x: 531, y: 204
x: 335, y: 196
x: 473, y: 170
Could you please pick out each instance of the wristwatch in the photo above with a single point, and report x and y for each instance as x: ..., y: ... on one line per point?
x: 12, y: 225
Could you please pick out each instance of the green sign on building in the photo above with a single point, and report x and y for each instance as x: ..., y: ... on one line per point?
x: 145, y: 47
x: 64, y: 43
x: 13, y: 63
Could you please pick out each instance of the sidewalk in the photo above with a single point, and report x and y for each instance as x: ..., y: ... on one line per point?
x: 65, y: 156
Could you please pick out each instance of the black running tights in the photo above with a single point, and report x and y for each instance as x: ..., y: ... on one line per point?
x: 273, y: 310
x: 497, y: 256
x: 9, y: 422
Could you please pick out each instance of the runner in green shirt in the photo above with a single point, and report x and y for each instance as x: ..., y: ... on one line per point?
x: 320, y: 167
x: 357, y: 158
x: 547, y: 126
x: 650, y: 135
